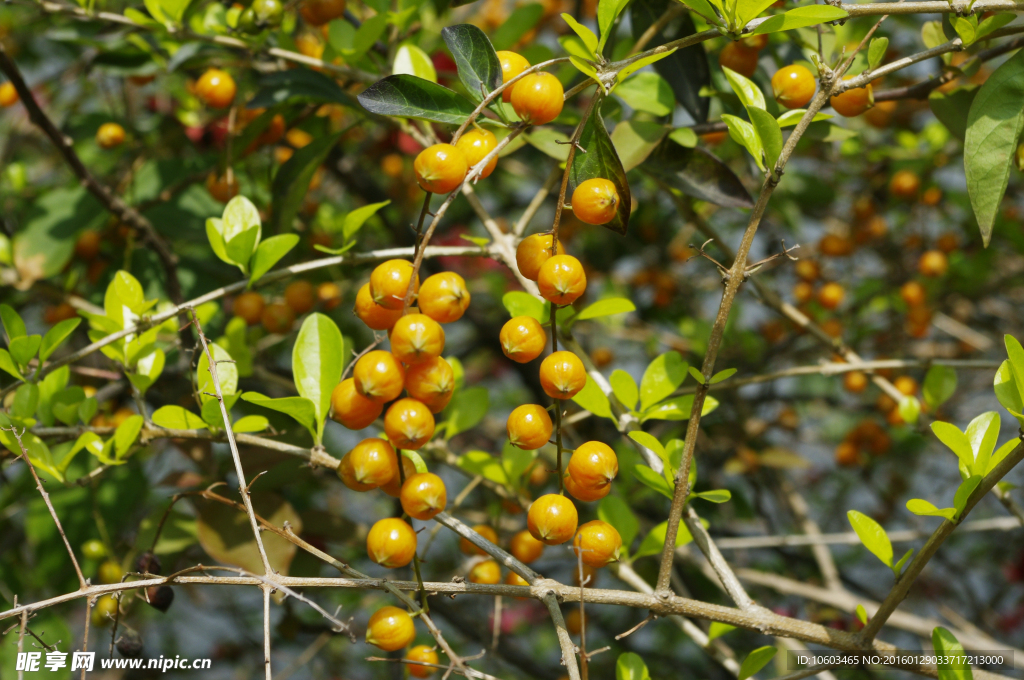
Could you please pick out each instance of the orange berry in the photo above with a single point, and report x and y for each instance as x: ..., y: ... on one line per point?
x: 484, y: 530
x: 277, y: 317
x: 739, y: 58
x: 300, y: 296
x: 409, y: 424
x: 329, y: 295
x: 562, y: 375
x: 390, y: 281
x: 602, y: 356
x: 522, y: 339
x: 863, y: 208
x: 529, y: 427
x: 390, y: 629
x: 932, y: 196
x: 906, y: 385
x: 803, y: 292
x: 832, y: 328
x: 369, y: 464
x: 808, y: 270
x: 423, y: 654
x: 847, y: 454
x: 391, y: 543
x: 486, y: 572
x: 109, y: 135
x: 57, y: 313
x: 512, y: 64
x: 853, y: 102
x: 87, y: 247
x: 220, y: 188
x: 514, y: 579
x: 593, y: 465
x: 431, y: 382
x: 9, y: 96
x: 352, y: 409
x: 584, y: 494
x: 216, y: 88
x: 320, y: 12
x: 948, y: 242
x: 880, y: 115
x: 534, y: 251
x: 475, y: 145
x: 855, y: 381
x: 525, y: 548
x: 913, y: 293
x: 440, y: 168
x: 444, y: 297
x: 597, y: 543
x: 538, y: 98
x: 831, y: 295
x: 873, y: 229
x: 905, y: 184
x: 793, y: 86
x: 423, y: 495
x: 416, y: 338
x: 595, y: 201
x: 379, y: 376
x: 562, y: 280
x: 373, y: 315
x: 552, y: 519
x: 933, y: 263
x: 394, y: 487
x: 834, y: 245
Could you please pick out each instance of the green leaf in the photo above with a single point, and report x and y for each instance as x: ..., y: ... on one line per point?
x: 630, y: 666
x: 49, y: 386
x: 862, y: 614
x: 515, y: 462
x: 607, y: 12
x: 407, y: 96
x: 483, y: 464
x: 624, y: 388
x: 743, y: 134
x: 213, y: 235
x: 678, y: 408
x: 1015, y: 355
x: 574, y: 46
x: 148, y: 368
x: 615, y: 511
x: 923, y: 508
x: 954, y: 664
x: 241, y: 248
x: 87, y: 409
x: 983, y: 433
x: 26, y: 399
x: 703, y: 8
x: 467, y: 408
x: 7, y: 365
x: 601, y: 160
x: 299, y: 86
x: 522, y: 19
x: 413, y: 61
x: 793, y: 116
x: 745, y: 11
x: 648, y: 441
x: 684, y: 137
x: 939, y: 385
x: 723, y: 375
x: 585, y: 34
x: 654, y: 542
x: 269, y: 252
x: 606, y: 307
x: 299, y: 408
x: 56, y: 336
x: 697, y: 173
x: 876, y: 51
x: 662, y: 377
x: 352, y: 43
x: 519, y: 303
x: 648, y: 477
x: 45, y: 240
x: 687, y: 69
x: 872, y: 535
x: 13, y: 324
x: 1007, y: 393
x: 800, y: 17
x: 126, y: 434
x: 291, y: 183
x: 994, y: 126
x: 635, y: 66
x: 755, y: 661
x: 317, y: 360
x: 585, y: 67
x: 635, y: 140
x: 909, y: 409
x: 648, y: 92
x: 717, y: 629
x: 250, y: 424
x: 24, y: 348
x: 66, y: 404
x: 953, y: 108
x: 419, y: 463
x: 177, y: 418
x: 963, y: 493
x: 355, y: 220
x: 697, y: 375
x: 594, y: 400
x: 226, y: 372
x: 746, y: 89
x: 965, y: 28
x: 714, y: 496
x: 769, y: 134
x: 897, y: 568
x: 993, y: 23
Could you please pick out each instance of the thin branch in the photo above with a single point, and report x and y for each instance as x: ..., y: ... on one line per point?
x: 536, y: 202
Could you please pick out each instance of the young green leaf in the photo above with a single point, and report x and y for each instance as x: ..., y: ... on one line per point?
x: 678, y: 408
x: 13, y: 324
x: 355, y: 220
x: 654, y: 542
x: 411, y: 60
x: 630, y: 666
x: 624, y: 388
x: 648, y: 441
x: 965, y: 28
x: 953, y: 662
x: 299, y: 408
x: 993, y: 23
x: 746, y: 89
x: 723, y: 375
x: 923, y: 508
x: 7, y: 365
x: 585, y: 34
x: 792, y: 117
x: 994, y: 126
x: 607, y: 12
x: 718, y: 629
x: 661, y: 378
x: 862, y: 614
x: 317, y: 362
x: 519, y: 303
x: 483, y: 464
x: 697, y: 375
x: 755, y: 661
x: 876, y: 51
x: 801, y: 17
x: 26, y: 399
x: 635, y: 66
x: 743, y: 134
x: 226, y: 372
x: 177, y: 418
x: 126, y: 434
x: 983, y: 433
x: 939, y: 385
x: 872, y: 535
x: 897, y: 568
x: 606, y: 307
x: 477, y: 62
x: 714, y: 496
x: 1015, y: 355
x: 56, y: 336
x: 23, y: 349
x: 684, y: 137
x: 584, y: 66
x: 406, y: 96
x: 269, y: 253
x: 250, y: 424
x: 769, y: 134
x: 1005, y: 387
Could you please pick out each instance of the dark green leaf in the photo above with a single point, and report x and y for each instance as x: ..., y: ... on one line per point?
x: 479, y: 69
x: 291, y: 183
x: 601, y: 160
x: 697, y: 173
x: 952, y: 108
x: 994, y: 126
x: 407, y: 96
x: 686, y: 70
x: 298, y: 85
